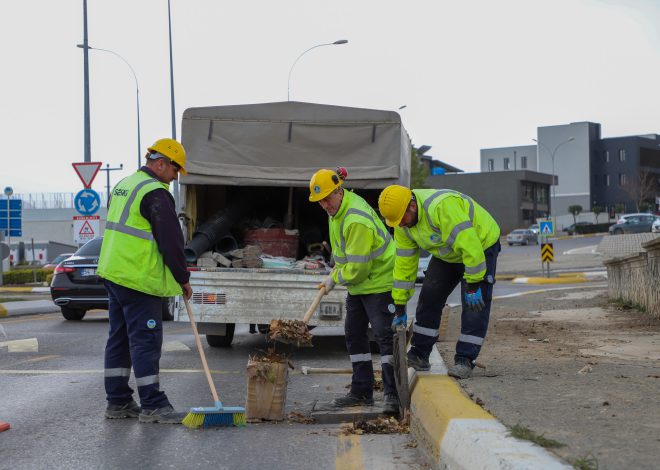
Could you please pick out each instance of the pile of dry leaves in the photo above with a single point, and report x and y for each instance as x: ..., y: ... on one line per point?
x: 381, y: 425
x: 290, y: 331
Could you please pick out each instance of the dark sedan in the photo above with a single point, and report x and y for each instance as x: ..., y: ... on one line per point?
x: 76, y: 287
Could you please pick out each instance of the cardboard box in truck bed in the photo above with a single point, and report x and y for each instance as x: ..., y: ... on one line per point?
x: 256, y: 160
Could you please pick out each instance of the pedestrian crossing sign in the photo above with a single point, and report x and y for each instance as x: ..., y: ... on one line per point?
x: 547, y: 229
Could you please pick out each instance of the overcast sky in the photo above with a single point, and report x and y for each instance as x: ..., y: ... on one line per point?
x: 473, y: 74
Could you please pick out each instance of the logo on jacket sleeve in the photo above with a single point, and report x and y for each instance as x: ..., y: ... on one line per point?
x: 151, y: 323
x: 435, y: 238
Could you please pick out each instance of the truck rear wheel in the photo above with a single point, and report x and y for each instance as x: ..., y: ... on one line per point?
x: 217, y: 341
x: 168, y: 308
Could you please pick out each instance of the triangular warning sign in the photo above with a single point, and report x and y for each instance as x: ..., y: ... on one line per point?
x: 87, y: 171
x: 86, y: 229
x: 547, y: 229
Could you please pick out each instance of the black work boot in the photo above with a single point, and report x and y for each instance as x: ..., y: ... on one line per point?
x: 352, y: 400
x: 391, y: 405
x: 164, y: 415
x: 417, y: 362
x: 462, y: 368
x: 128, y: 410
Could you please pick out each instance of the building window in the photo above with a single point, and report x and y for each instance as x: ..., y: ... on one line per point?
x: 606, y: 156
x: 491, y: 164
x: 607, y: 180
x: 622, y: 155
x: 523, y: 162
x: 622, y: 179
x: 542, y: 194
x: 528, y: 192
x: 507, y: 166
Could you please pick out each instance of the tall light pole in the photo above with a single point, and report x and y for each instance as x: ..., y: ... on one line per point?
x: 552, y: 156
x: 175, y: 185
x: 137, y: 94
x: 288, y: 85
x: 87, y: 146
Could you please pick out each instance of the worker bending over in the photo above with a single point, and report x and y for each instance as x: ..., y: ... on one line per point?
x: 364, y: 253
x: 463, y: 239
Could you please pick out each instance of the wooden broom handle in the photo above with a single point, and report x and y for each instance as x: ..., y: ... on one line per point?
x: 315, y: 304
x: 202, y: 355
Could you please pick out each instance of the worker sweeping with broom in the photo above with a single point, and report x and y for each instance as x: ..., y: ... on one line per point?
x: 141, y: 262
x: 364, y: 254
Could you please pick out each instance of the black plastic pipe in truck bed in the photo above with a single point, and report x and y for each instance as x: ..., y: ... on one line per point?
x: 215, y: 233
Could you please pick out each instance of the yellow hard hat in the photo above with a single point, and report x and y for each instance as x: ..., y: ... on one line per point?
x: 393, y: 202
x: 324, y: 182
x: 172, y: 150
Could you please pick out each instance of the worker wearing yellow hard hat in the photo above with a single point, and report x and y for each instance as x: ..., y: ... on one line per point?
x: 142, y: 263
x: 463, y: 239
x: 364, y: 253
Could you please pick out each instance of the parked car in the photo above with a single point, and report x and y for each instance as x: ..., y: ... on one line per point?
x: 572, y: 229
x: 57, y: 260
x: 76, y: 288
x: 622, y: 219
x: 534, y: 228
x: 522, y: 236
x: 639, y: 223
x: 655, y: 228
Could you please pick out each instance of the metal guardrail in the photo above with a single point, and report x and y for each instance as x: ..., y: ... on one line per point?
x: 51, y: 200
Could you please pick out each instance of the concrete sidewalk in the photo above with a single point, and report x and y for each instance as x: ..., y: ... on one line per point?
x: 27, y: 307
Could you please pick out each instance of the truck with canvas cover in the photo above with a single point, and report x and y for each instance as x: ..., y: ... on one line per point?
x: 247, y: 185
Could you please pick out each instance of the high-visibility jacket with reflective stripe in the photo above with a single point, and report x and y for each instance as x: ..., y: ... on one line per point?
x: 129, y: 254
x: 450, y: 226
x: 362, y: 247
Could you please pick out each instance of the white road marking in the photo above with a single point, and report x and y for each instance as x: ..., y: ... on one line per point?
x: 585, y: 250
x: 21, y: 345
x: 169, y: 346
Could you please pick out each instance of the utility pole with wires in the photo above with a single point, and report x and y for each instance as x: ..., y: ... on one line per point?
x: 107, y: 170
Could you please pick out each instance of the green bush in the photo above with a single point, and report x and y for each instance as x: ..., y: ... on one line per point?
x: 25, y: 276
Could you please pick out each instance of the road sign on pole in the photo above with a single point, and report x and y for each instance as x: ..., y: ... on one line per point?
x: 85, y: 228
x: 547, y: 253
x: 11, y: 222
x: 87, y: 172
x: 87, y: 202
x: 547, y: 228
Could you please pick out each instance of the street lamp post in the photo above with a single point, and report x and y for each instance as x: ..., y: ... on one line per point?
x: 552, y: 157
x: 137, y: 94
x: 288, y: 85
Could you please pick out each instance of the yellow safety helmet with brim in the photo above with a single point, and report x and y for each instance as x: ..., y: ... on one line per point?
x: 324, y: 182
x: 173, y: 150
x: 393, y: 202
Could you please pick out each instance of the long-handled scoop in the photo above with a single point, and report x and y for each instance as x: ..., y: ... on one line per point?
x: 296, y: 331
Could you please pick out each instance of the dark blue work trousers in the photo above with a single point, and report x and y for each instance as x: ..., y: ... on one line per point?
x: 135, y: 340
x: 440, y: 280
x: 362, y: 310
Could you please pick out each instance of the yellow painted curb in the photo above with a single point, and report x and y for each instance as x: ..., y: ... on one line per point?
x: 3, y: 311
x: 16, y: 289
x: 506, y: 277
x: 435, y: 401
x: 556, y: 280
x: 349, y: 453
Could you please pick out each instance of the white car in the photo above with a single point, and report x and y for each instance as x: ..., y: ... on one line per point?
x: 624, y: 217
x: 655, y: 228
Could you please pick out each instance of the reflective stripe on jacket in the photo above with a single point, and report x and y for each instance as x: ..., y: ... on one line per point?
x: 450, y: 226
x: 129, y: 254
x: 362, y: 248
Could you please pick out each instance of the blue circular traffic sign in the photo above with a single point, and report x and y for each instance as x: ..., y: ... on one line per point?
x: 87, y: 202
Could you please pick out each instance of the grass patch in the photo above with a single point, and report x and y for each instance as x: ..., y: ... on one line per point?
x: 521, y: 432
x: 623, y: 304
x: 4, y: 300
x: 588, y: 462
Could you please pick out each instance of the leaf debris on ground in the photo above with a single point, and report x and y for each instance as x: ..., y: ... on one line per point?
x: 380, y: 425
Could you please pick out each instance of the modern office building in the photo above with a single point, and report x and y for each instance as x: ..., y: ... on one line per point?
x: 589, y: 170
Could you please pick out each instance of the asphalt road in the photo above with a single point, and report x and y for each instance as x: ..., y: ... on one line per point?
x: 51, y: 392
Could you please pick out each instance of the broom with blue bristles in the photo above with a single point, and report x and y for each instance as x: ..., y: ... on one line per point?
x: 217, y: 415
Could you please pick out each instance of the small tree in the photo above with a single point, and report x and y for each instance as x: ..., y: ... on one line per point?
x: 575, y: 210
x: 619, y: 208
x: 418, y: 171
x: 597, y: 210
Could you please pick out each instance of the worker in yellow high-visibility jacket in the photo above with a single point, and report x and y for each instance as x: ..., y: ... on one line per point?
x: 364, y: 253
x: 463, y: 239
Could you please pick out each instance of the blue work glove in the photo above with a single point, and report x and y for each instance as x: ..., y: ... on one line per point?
x: 400, y: 317
x: 473, y: 298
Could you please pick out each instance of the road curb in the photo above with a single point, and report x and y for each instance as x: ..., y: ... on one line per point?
x: 29, y: 307
x: 563, y: 278
x: 20, y: 290
x: 456, y: 433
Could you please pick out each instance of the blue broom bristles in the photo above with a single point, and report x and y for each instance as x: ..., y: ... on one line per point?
x: 215, y: 416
